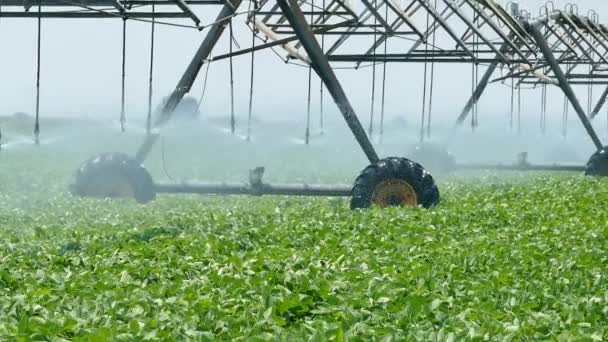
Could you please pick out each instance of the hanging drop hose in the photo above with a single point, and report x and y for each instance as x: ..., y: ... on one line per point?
x: 122, y: 87
x: 512, y: 104
x: 590, y: 91
x: 149, y: 117
x: 37, y: 122
x: 383, y: 83
x: 232, y: 117
x: 321, y: 123
x: 200, y: 100
x: 426, y: 52
x: 543, y: 109
x: 371, y: 113
x: 474, y: 77
x: 249, y: 115
x: 307, y: 132
x: 432, y: 82
x: 565, y: 117
x: 519, y: 109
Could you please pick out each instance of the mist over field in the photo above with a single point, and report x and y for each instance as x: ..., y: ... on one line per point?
x: 205, y: 148
x: 94, y: 247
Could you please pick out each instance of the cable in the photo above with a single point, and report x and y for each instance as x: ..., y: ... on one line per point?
x: 200, y: 100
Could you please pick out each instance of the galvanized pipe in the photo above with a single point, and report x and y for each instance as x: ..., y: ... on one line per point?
x: 247, y: 189
x: 525, y: 167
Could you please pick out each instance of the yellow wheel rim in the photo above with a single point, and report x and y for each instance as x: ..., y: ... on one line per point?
x: 394, y: 192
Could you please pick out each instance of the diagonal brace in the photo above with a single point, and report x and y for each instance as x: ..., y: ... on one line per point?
x: 189, y: 76
x: 186, y: 9
x: 320, y: 64
x: 563, y: 81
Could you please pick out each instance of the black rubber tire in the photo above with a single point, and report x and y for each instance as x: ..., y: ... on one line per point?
x: 435, y: 158
x: 598, y: 164
x: 404, y: 169
x: 99, y: 169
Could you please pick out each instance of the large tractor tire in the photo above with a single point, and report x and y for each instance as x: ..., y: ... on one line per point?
x: 113, y: 175
x: 598, y: 164
x: 394, y: 182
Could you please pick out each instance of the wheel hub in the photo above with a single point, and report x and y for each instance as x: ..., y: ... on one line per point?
x: 394, y: 192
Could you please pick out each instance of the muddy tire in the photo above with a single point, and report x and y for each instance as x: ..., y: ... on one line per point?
x: 394, y: 182
x: 598, y: 164
x: 113, y: 175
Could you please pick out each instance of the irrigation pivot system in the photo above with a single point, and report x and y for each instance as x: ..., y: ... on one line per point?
x: 555, y: 47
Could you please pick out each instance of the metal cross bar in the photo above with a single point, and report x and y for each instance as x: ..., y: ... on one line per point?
x: 93, y: 15
x: 186, y: 9
x: 118, y: 6
x: 497, y: 29
x: 375, y: 12
x: 433, y: 12
x: 474, y: 29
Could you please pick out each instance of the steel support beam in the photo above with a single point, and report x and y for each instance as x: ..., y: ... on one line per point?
x: 186, y: 9
x: 563, y: 81
x: 320, y: 64
x: 189, y: 76
x: 483, y: 83
x: 599, y: 105
x: 481, y: 87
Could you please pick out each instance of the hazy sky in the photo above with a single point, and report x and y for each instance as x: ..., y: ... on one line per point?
x: 82, y: 61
